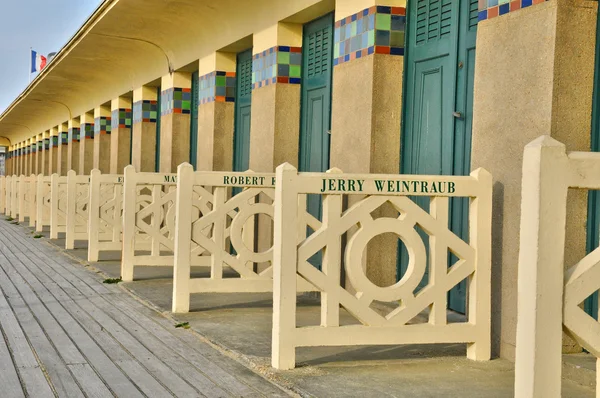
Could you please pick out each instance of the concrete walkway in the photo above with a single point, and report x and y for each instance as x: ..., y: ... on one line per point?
x: 240, y: 326
x: 66, y: 334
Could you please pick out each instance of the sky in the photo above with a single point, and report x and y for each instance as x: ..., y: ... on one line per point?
x: 45, y: 26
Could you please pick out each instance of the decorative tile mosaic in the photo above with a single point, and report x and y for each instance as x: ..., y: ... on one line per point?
x: 54, y: 139
x: 86, y: 130
x: 74, y: 134
x: 64, y: 138
x: 279, y: 64
x: 121, y: 118
x: 102, y: 125
x: 46, y: 143
x: 489, y: 9
x: 33, y: 148
x: 145, y: 111
x: 375, y: 30
x: 40, y: 145
x: 176, y: 100
x: 216, y: 86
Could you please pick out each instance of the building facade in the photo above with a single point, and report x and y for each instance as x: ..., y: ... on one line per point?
x: 368, y: 86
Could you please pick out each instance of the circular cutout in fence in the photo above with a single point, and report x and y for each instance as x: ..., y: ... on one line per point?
x: 417, y: 261
x: 236, y: 232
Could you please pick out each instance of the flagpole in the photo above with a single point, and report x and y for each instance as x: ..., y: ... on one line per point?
x: 30, y: 63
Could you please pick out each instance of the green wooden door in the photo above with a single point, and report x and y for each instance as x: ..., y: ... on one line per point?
x: 593, y: 221
x: 437, y: 120
x: 243, y: 106
x: 194, y: 121
x: 315, y: 116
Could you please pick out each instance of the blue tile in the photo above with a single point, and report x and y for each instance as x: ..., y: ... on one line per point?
x: 382, y: 38
x: 284, y: 49
x: 482, y: 15
x: 504, y: 9
x: 336, y: 35
x: 335, y: 62
x: 295, y: 80
x: 346, y: 57
x: 384, y: 10
x: 396, y: 51
x: 492, y: 3
x: 526, y: 3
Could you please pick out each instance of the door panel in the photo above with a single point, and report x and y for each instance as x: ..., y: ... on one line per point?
x: 243, y: 106
x: 437, y: 119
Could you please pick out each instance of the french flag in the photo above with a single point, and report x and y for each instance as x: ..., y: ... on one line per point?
x: 37, y: 62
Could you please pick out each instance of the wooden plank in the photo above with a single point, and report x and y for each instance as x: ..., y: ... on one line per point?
x: 106, y: 369
x: 9, y: 380
x: 63, y: 382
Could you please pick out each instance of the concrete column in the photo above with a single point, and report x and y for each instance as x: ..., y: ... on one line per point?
x: 367, y: 105
x: 73, y: 145
x: 9, y: 160
x: 27, y: 156
x: 63, y: 155
x: 102, y: 149
x: 546, y: 87
x: 19, y: 158
x: 275, y: 123
x: 32, y: 154
x: 86, y: 143
x: 175, y: 102
x: 120, y: 134
x: 46, y: 154
x: 216, y: 110
x: 53, y: 165
x: 145, y: 113
x: 38, y: 153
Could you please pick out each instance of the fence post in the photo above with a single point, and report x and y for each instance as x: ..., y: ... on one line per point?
x: 39, y: 204
x: 480, y: 292
x: 32, y: 200
x: 541, y: 270
x: 285, y: 257
x: 129, y: 196
x: 183, y: 237
x: 71, y: 210
x: 93, y: 217
x: 22, y: 191
x: 54, y: 206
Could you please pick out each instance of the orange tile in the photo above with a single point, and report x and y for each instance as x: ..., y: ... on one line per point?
x: 382, y: 50
x: 230, y: 74
x: 538, y: 1
x: 492, y: 12
x: 515, y: 5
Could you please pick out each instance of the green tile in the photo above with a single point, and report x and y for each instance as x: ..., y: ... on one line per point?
x: 283, y: 58
x: 353, y: 28
x: 186, y: 105
x: 383, y: 21
x: 295, y: 71
x: 397, y: 39
x: 221, y: 81
x: 336, y: 50
x: 371, y: 41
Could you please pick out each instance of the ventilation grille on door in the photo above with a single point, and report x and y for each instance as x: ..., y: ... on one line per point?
x: 319, y: 53
x: 473, y: 14
x: 434, y: 19
x: 245, y: 77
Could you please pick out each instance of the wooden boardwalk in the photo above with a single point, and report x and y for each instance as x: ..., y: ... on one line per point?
x: 66, y: 334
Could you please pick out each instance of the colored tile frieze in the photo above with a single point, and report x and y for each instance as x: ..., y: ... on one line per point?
x: 176, y: 100
x: 102, y: 125
x: 218, y: 86
x: 40, y: 145
x: 279, y: 64
x: 375, y: 30
x: 33, y: 148
x: 54, y: 139
x: 74, y: 134
x: 86, y: 130
x: 47, y: 143
x: 489, y: 9
x: 145, y: 111
x: 64, y: 138
x: 121, y: 118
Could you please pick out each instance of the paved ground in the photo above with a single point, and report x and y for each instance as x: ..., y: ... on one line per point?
x: 65, y: 333
x: 135, y: 339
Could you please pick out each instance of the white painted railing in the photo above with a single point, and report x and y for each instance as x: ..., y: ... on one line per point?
x: 3, y: 194
x: 105, y: 214
x: 42, y: 203
x: 26, y: 198
x: 550, y: 297
x: 78, y: 196
x: 148, y: 220
x: 14, y: 197
x: 58, y: 205
x: 8, y: 196
x: 209, y: 222
x: 368, y: 193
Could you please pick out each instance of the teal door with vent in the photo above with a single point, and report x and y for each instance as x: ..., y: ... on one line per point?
x: 243, y: 106
x: 315, y: 122
x: 437, y: 122
x: 194, y: 121
x: 593, y: 221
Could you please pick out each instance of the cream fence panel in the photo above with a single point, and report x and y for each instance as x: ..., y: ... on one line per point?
x: 368, y: 193
x: 78, y: 197
x: 32, y: 200
x: 3, y: 194
x: 43, y: 198
x: 550, y: 296
x: 105, y: 214
x: 209, y: 222
x: 148, y: 220
x: 58, y: 205
x: 26, y: 197
x: 8, y: 196
x: 14, y: 197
